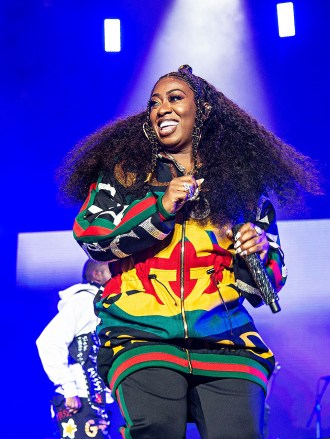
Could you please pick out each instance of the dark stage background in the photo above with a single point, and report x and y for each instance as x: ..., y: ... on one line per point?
x: 58, y: 85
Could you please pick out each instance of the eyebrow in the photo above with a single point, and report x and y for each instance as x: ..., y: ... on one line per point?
x: 168, y: 92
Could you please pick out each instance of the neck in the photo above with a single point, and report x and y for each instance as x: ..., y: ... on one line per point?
x: 184, y: 159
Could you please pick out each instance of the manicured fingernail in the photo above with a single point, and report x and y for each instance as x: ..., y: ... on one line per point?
x: 200, y: 181
x: 244, y: 253
x: 237, y: 244
x: 237, y: 236
x: 238, y: 250
x: 228, y: 232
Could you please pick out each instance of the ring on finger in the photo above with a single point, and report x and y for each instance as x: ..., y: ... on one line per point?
x: 194, y: 195
x: 189, y: 189
x: 186, y: 187
x: 258, y: 230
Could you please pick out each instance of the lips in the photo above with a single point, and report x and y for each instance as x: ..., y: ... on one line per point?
x: 167, y: 127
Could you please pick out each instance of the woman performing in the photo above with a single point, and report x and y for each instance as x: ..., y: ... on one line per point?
x: 164, y: 189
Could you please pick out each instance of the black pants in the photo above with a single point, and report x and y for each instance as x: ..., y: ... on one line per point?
x: 158, y: 403
x: 81, y: 425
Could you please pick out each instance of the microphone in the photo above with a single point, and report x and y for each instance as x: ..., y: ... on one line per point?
x: 261, y: 278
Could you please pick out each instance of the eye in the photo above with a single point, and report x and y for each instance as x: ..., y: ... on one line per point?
x: 175, y: 98
x: 153, y: 104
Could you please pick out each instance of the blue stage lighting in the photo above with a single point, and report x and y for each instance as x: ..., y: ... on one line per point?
x: 112, y: 35
x: 285, y: 18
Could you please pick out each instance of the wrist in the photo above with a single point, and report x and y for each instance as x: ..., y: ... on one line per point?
x: 162, y: 209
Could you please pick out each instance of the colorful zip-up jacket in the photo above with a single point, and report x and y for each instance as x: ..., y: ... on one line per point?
x: 176, y: 296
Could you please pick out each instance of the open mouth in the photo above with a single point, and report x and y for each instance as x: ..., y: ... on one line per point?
x: 167, y: 127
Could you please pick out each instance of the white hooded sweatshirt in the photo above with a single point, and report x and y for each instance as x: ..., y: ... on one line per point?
x: 75, y: 317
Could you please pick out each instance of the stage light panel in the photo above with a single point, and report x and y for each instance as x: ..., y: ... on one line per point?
x: 285, y: 19
x: 112, y: 35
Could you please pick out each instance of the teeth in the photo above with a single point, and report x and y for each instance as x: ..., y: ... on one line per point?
x: 168, y: 123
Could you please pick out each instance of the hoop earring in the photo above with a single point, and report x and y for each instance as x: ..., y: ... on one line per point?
x: 145, y: 128
x: 151, y: 136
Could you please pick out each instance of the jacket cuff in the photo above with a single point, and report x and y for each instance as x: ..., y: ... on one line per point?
x: 163, y: 212
x: 69, y: 390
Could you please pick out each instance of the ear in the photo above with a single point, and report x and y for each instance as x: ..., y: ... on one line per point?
x: 207, y: 108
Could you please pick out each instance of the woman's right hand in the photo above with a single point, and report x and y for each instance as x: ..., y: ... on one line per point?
x: 179, y: 191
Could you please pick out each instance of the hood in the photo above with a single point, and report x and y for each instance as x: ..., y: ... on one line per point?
x: 65, y: 295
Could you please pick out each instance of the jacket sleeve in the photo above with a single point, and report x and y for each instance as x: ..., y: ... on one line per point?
x: 108, y: 227
x: 275, y: 266
x: 75, y: 318
x: 53, y: 345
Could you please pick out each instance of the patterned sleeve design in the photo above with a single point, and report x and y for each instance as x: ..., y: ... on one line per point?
x: 275, y: 266
x: 109, y: 228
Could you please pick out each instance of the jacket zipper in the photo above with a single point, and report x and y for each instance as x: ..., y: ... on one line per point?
x: 183, y: 312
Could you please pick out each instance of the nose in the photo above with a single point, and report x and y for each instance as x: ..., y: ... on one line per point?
x: 164, y: 108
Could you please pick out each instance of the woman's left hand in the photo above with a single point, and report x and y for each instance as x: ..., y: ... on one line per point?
x: 250, y: 239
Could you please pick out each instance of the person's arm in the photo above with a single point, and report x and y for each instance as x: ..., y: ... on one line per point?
x: 53, y: 344
x: 108, y: 228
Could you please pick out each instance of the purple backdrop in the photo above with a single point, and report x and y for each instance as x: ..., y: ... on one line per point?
x: 58, y: 85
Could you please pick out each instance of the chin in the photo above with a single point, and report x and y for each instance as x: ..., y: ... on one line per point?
x: 169, y: 144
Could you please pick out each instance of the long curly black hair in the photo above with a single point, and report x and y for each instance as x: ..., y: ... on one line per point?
x: 241, y: 159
